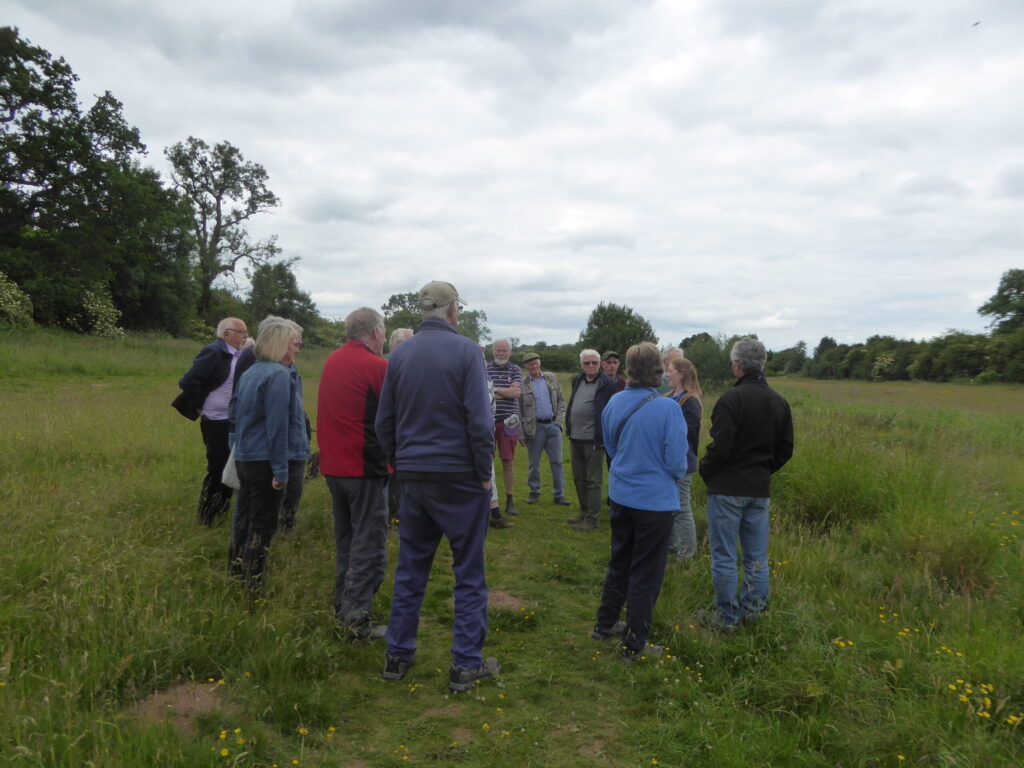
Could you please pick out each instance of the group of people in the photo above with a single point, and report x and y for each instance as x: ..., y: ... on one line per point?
x: 413, y: 436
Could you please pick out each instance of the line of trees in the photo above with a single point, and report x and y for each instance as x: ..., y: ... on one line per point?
x: 93, y: 241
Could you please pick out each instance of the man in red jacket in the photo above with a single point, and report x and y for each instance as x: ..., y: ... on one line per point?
x: 355, y: 468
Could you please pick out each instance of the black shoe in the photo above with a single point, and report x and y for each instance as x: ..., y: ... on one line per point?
x: 649, y: 651
x: 614, y: 632
x: 533, y: 499
x: 575, y: 520
x: 510, y: 510
x: 585, y: 525
x: 561, y: 501
x: 463, y: 678
x: 395, y: 668
x: 500, y: 522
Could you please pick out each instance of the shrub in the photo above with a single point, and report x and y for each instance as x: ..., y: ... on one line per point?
x: 15, y: 305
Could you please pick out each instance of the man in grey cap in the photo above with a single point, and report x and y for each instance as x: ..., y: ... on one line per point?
x: 543, y: 412
x: 435, y: 425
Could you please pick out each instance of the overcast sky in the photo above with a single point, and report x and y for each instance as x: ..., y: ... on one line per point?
x: 793, y: 168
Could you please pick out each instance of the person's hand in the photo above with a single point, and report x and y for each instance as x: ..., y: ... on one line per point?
x: 486, y: 484
x: 277, y: 485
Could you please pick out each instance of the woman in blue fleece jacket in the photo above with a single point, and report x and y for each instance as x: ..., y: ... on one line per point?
x: 645, y: 436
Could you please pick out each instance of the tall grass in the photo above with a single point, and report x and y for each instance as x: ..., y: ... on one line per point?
x: 896, y: 571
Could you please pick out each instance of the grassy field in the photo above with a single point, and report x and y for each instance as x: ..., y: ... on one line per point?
x: 894, y: 637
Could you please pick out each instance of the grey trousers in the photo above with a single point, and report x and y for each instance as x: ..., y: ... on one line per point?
x: 360, y: 506
x: 587, y: 475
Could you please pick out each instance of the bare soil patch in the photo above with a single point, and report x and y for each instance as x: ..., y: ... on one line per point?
x: 500, y: 599
x: 181, y: 704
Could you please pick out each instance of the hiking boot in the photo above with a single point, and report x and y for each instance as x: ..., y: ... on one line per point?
x: 533, y: 498
x: 461, y: 679
x: 500, y: 522
x: 575, y: 520
x: 650, y: 651
x: 561, y: 501
x: 614, y: 632
x: 585, y: 525
x: 395, y: 668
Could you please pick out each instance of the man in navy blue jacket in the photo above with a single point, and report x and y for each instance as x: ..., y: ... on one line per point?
x: 435, y: 426
x: 206, y: 391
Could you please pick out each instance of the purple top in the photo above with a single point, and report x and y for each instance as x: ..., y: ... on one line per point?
x: 215, y: 407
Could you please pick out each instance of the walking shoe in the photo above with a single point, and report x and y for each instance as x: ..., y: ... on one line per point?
x: 614, y: 632
x: 712, y: 619
x: 585, y: 525
x: 500, y: 522
x: 533, y: 498
x: 395, y: 668
x: 461, y: 679
x: 365, y: 630
x: 650, y: 651
x: 561, y: 501
x: 510, y: 510
x: 575, y: 520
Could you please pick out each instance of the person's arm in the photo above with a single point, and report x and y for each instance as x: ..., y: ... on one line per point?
x: 277, y: 407
x: 559, y: 404
x: 384, y: 423
x: 784, y: 445
x: 675, y: 445
x: 610, y: 445
x: 479, y: 419
x: 723, y: 435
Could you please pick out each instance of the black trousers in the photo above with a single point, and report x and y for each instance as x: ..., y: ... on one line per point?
x: 215, y: 496
x: 257, y: 518
x: 636, y: 570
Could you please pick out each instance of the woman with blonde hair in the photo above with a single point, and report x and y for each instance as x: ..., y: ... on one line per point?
x: 270, y: 440
x: 684, y: 388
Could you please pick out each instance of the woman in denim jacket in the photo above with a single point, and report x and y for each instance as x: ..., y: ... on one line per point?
x: 270, y: 442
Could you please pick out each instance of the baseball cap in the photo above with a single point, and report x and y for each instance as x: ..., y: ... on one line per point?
x: 438, y: 293
x: 610, y: 353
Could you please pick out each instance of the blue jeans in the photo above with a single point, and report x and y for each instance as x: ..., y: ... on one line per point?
x: 683, y: 543
x: 742, y: 519
x: 548, y: 439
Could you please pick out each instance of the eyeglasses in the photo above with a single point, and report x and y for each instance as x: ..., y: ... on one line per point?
x: 236, y: 330
x: 591, y: 362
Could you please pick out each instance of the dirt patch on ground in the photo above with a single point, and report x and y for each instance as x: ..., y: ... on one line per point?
x: 450, y: 710
x: 462, y: 735
x: 181, y: 704
x: 500, y: 599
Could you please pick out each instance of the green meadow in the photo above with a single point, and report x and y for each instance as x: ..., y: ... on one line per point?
x: 894, y: 636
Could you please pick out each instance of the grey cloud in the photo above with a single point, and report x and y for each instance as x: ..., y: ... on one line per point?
x: 322, y: 206
x: 1010, y: 182
x: 932, y: 185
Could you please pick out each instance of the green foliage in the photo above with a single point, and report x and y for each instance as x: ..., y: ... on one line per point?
x: 225, y: 191
x: 275, y: 291
x: 1006, y: 307
x: 615, y: 327
x: 710, y: 356
x: 791, y: 360
x: 99, y: 316
x: 15, y: 305
x: 564, y: 358
x: 402, y: 311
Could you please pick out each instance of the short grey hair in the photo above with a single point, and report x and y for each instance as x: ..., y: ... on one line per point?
x: 223, y: 325
x: 275, y: 335
x: 670, y: 352
x: 589, y: 353
x: 440, y: 313
x: 398, y: 336
x: 361, y: 323
x: 750, y: 355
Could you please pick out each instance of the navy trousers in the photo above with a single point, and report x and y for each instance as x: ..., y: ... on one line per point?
x: 459, y: 512
x: 635, y: 572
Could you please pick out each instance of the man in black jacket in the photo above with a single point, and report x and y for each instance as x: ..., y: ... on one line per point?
x: 751, y: 437
x: 591, y: 391
x: 205, y: 394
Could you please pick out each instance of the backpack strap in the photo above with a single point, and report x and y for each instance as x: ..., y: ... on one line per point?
x: 629, y: 415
